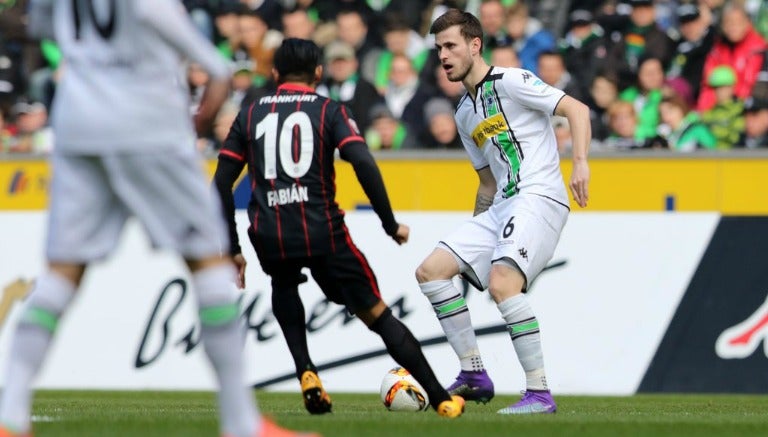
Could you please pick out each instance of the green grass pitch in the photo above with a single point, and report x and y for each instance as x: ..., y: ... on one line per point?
x: 192, y: 414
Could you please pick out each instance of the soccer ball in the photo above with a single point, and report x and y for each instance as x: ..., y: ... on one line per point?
x: 401, y: 392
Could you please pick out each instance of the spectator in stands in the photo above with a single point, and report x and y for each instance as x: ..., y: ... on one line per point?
x: 32, y: 133
x: 504, y: 56
x: 399, y: 40
x: 686, y: 132
x: 42, y: 83
x: 453, y: 91
x: 443, y: 134
x: 201, y: 13
x: 755, y: 124
x: 528, y: 35
x: 563, y: 135
x: 298, y: 24
x: 270, y: 11
x: 19, y: 54
x: 640, y: 38
x: 244, y: 90
x: 646, y: 96
x: 388, y: 133
x: 552, y: 71
x: 410, y: 11
x: 258, y: 44
x: 740, y: 47
x: 622, y: 124
x: 760, y: 89
x: 726, y: 119
x: 344, y: 84
x: 713, y: 8
x: 227, y: 25
x: 197, y: 79
x: 352, y: 29
x: 491, y: 15
x: 9, y: 87
x: 603, y: 93
x: 5, y: 133
x: 584, y: 49
x: 405, y: 98
x: 697, y: 38
x: 760, y: 19
x: 679, y: 86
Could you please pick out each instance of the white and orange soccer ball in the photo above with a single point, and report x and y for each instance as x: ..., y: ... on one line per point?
x: 401, y: 392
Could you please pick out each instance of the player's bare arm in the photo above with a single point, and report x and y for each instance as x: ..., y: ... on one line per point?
x: 485, y: 191
x: 577, y: 114
x: 214, y: 96
x: 240, y: 263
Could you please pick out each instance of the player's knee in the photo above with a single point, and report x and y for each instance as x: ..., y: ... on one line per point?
x: 435, y: 268
x: 506, y: 280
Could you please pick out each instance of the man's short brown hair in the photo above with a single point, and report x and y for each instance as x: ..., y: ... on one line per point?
x: 468, y: 24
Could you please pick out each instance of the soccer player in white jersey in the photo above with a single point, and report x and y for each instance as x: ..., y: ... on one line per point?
x: 125, y: 147
x: 521, y: 207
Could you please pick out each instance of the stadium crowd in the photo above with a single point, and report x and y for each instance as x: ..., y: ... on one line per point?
x: 677, y: 75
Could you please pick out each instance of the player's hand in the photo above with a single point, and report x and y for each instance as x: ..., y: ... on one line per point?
x: 240, y: 263
x: 401, y: 236
x: 580, y: 182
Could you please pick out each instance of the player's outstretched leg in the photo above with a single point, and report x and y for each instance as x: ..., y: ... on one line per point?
x: 44, y: 306
x: 523, y: 329
x: 222, y: 333
x: 289, y: 313
x: 406, y: 350
x: 473, y: 382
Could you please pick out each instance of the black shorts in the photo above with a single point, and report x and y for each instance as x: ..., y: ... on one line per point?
x: 345, y: 277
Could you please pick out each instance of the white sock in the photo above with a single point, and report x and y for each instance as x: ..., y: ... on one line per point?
x: 453, y: 315
x: 31, y: 340
x: 222, y: 335
x: 524, y: 331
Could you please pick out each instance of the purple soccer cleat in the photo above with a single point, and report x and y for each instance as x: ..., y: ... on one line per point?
x: 533, y: 402
x: 473, y: 386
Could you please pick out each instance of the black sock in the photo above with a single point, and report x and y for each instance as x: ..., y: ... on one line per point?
x: 289, y: 312
x: 406, y: 350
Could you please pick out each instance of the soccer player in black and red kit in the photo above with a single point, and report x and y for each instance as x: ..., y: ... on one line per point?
x: 288, y: 140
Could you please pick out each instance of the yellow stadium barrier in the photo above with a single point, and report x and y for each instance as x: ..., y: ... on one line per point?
x: 732, y: 183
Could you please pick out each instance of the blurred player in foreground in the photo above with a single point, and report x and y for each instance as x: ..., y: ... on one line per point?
x: 521, y: 206
x: 125, y: 147
x: 288, y: 141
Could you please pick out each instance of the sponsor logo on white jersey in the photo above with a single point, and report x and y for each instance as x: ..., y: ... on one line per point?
x: 489, y: 128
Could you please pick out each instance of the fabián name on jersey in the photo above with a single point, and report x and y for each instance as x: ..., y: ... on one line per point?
x: 284, y: 196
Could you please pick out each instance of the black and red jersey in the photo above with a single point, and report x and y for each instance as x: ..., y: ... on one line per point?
x: 288, y: 141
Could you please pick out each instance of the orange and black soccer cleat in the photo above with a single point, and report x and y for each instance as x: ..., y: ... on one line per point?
x: 451, y: 409
x: 316, y: 400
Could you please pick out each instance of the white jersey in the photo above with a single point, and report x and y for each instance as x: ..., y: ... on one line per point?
x: 123, y: 86
x: 508, y: 127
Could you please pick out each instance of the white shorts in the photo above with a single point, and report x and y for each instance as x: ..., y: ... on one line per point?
x: 92, y: 197
x: 525, y: 229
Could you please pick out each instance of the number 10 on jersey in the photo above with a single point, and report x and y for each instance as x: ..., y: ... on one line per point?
x: 284, y: 144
